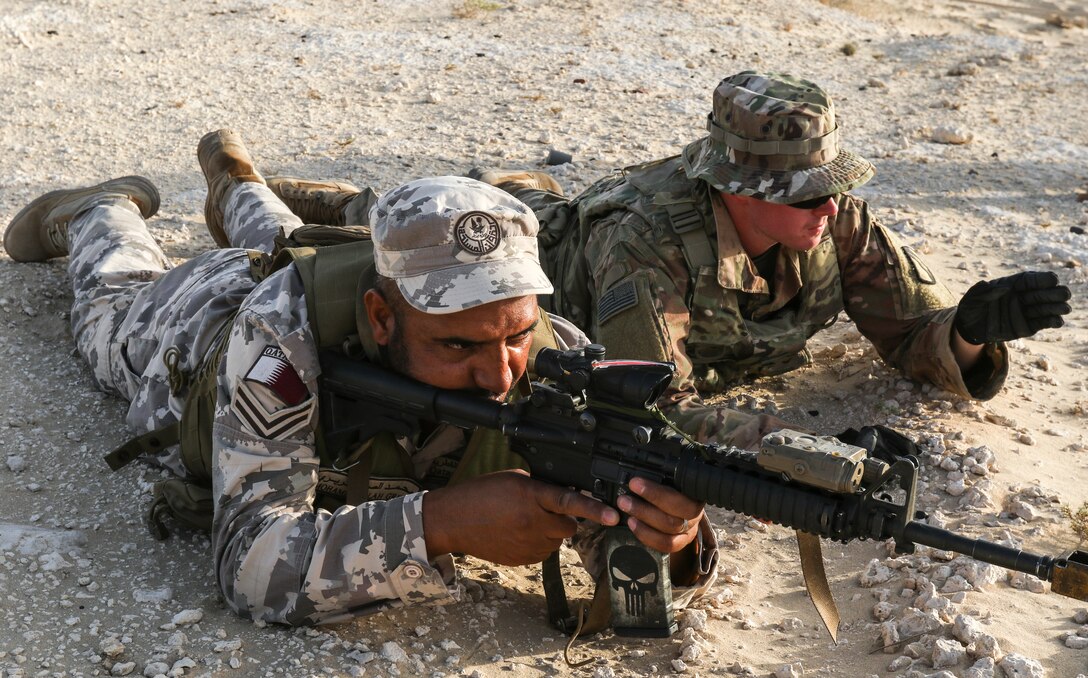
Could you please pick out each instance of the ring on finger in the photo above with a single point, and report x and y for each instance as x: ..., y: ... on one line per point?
x: 684, y: 528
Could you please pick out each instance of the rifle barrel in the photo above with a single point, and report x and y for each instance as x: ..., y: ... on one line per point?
x: 986, y: 551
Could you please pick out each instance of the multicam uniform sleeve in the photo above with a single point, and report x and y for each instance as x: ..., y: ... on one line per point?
x: 903, y: 309
x: 640, y: 287
x: 278, y: 558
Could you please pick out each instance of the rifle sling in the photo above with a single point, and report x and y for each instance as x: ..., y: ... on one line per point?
x: 358, y: 482
x: 555, y: 594
x: 150, y: 443
x: 589, y: 618
x: 812, y: 569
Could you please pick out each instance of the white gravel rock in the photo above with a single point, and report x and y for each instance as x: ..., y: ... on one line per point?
x: 954, y: 584
x: 159, y: 595
x: 690, y: 652
x: 984, y: 456
x: 186, y: 617
x: 16, y: 463
x: 984, y: 646
x: 951, y: 135
x: 393, y: 652
x: 889, y: 636
x: 875, y: 573
x: 1018, y: 666
x: 227, y: 645
x: 1075, y: 642
x: 956, y: 488
x: 983, y: 668
x: 111, y: 647
x: 916, y: 623
x: 966, y: 628
x: 122, y: 668
x: 795, y: 670
x: 947, y: 653
x: 883, y: 611
x: 693, y: 619
x: 980, y: 575
x: 1026, y: 582
x: 152, y: 669
x: 1023, y: 510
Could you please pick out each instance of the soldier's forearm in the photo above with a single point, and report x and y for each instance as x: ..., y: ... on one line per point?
x: 966, y: 354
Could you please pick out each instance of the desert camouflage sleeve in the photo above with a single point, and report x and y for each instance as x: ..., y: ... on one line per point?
x: 900, y: 305
x: 278, y: 558
x: 656, y: 327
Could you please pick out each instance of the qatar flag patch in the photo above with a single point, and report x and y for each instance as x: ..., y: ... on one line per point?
x: 271, y: 400
x: 273, y: 370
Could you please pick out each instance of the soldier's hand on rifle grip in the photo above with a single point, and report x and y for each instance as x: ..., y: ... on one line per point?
x: 506, y: 518
x: 659, y: 516
x: 1013, y: 307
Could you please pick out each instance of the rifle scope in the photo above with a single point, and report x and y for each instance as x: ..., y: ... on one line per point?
x: 627, y: 383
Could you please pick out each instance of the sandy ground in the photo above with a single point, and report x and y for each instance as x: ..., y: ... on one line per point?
x: 380, y: 92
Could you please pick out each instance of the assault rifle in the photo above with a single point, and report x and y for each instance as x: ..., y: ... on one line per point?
x: 593, y: 426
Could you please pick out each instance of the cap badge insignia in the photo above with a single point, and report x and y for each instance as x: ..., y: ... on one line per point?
x: 477, y: 233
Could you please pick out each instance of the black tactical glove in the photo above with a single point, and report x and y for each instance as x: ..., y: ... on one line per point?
x: 1012, y: 308
x: 883, y: 443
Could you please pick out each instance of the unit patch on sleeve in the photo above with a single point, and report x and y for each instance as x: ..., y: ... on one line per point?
x: 272, y: 400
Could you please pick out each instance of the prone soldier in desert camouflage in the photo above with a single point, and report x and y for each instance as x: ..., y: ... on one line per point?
x: 445, y: 292
x: 726, y: 258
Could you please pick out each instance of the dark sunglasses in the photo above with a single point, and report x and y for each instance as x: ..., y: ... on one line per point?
x: 813, y: 203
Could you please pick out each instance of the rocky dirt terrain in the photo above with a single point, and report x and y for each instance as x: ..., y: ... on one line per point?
x: 973, y: 113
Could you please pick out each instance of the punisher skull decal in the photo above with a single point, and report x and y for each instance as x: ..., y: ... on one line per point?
x: 635, y: 571
x: 477, y: 233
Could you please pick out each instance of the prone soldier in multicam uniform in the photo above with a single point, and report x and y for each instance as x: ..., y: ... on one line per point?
x: 726, y: 258
x: 452, y: 303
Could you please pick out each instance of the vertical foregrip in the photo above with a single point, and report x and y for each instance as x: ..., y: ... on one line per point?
x: 760, y: 497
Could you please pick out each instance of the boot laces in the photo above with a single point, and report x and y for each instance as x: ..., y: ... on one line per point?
x: 57, y: 235
x: 317, y: 207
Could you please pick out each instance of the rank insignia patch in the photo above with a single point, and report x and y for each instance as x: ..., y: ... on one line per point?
x: 272, y: 400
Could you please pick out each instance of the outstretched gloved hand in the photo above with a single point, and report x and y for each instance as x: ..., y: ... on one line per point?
x: 1013, y: 307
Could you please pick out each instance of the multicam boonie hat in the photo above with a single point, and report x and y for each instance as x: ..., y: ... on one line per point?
x: 453, y: 243
x: 774, y: 137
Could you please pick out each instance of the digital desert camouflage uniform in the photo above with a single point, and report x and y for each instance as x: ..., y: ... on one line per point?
x: 277, y: 557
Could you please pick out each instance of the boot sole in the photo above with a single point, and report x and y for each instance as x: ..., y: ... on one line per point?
x: 23, y: 236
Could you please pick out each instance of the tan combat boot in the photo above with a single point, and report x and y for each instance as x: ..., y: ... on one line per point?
x: 316, y: 202
x: 511, y: 180
x: 40, y: 230
x: 225, y: 162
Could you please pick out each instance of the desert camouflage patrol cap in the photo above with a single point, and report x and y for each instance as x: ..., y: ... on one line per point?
x: 453, y: 243
x: 773, y: 137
